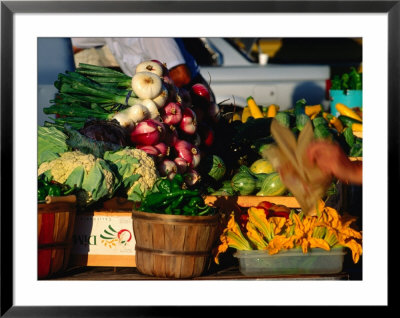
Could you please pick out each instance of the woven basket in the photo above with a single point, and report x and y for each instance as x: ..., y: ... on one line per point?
x: 56, y: 220
x: 173, y: 246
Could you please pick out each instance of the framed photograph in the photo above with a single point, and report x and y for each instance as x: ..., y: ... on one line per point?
x: 377, y: 23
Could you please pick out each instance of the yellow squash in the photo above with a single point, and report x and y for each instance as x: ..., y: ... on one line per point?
x: 272, y: 110
x: 245, y: 114
x: 346, y: 111
x: 254, y: 109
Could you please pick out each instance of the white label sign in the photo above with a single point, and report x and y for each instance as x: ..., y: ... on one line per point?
x: 103, y: 234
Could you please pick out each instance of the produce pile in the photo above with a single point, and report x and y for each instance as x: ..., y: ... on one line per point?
x: 248, y: 136
x: 116, y: 135
x: 275, y: 228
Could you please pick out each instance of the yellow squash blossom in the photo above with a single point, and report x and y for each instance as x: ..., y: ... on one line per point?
x: 255, y: 237
x: 232, y: 236
x: 280, y: 242
x: 258, y: 218
x: 277, y: 224
x: 303, y: 234
x: 325, y: 230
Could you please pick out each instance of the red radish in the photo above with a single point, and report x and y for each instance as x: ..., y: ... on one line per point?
x: 188, y: 123
x: 189, y: 152
x: 150, y: 150
x: 181, y: 164
x: 200, y: 90
x: 191, y: 177
x: 162, y: 148
x: 147, y: 132
x: 171, y: 114
x: 167, y: 168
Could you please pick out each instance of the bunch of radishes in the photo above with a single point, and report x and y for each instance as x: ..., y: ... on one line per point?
x: 170, y: 124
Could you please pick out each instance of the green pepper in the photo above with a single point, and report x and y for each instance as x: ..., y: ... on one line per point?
x: 206, y: 211
x: 177, y: 182
x: 54, y: 191
x: 188, y: 210
x: 42, y: 193
x: 165, y: 186
x: 174, y: 205
x: 195, y: 201
x: 155, y: 199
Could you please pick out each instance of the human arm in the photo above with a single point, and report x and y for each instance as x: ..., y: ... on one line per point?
x: 180, y: 74
x: 331, y: 159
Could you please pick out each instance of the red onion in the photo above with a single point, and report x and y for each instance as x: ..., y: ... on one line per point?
x: 171, y: 135
x: 189, y: 152
x: 162, y: 148
x: 191, y: 177
x: 150, y: 150
x: 147, y: 132
x: 188, y: 123
x: 171, y: 114
x: 214, y: 111
x: 200, y: 90
x: 183, y: 97
x: 181, y: 164
x: 167, y: 168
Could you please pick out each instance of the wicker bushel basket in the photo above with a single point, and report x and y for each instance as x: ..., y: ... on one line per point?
x: 173, y: 246
x: 56, y: 219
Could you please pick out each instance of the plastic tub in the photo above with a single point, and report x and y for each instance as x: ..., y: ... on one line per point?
x: 293, y: 261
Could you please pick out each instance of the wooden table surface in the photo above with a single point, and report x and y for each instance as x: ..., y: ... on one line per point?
x: 131, y: 273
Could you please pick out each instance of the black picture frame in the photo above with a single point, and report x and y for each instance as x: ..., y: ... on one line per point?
x: 9, y: 8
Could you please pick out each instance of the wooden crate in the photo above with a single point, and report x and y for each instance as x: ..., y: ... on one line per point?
x: 105, y: 237
x: 250, y: 200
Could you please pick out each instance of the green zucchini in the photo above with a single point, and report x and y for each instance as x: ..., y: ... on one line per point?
x: 319, y: 120
x: 283, y: 118
x: 347, y: 121
x: 322, y: 132
x: 301, y: 121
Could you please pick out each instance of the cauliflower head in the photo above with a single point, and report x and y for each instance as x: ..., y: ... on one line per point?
x: 92, y: 176
x: 137, y: 171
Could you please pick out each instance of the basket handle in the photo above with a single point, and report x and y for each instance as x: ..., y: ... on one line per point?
x: 66, y: 199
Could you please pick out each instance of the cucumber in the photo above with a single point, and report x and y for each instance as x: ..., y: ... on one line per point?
x: 301, y: 121
x: 347, y: 121
x: 319, y: 121
x: 300, y: 106
x: 322, y: 132
x: 283, y: 118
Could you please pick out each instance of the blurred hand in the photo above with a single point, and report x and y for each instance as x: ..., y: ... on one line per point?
x: 331, y: 159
